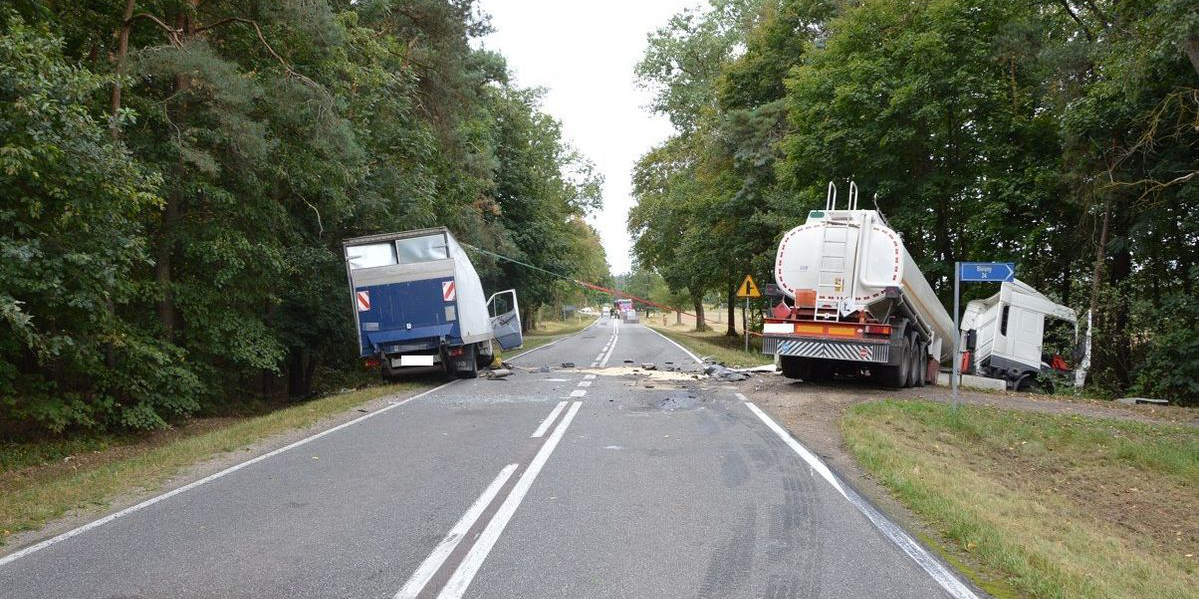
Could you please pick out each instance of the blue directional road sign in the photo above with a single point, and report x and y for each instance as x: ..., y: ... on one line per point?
x: 988, y: 271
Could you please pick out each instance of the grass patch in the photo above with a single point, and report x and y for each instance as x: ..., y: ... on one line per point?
x: 40, y: 484
x: 714, y: 344
x: 1050, y: 506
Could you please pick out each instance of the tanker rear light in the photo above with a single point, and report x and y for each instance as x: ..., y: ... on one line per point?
x: 369, y: 363
x: 878, y: 329
x: 455, y: 352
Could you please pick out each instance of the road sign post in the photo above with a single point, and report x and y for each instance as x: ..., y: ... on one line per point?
x: 998, y: 272
x: 747, y: 290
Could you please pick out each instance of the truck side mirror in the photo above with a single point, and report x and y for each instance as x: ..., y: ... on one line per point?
x: 772, y: 291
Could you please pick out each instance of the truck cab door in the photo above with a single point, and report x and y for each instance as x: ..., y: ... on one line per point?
x: 505, y: 319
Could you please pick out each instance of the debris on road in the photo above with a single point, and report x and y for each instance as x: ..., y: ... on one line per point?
x: 724, y: 373
x: 498, y: 373
x: 649, y: 366
x: 568, y: 364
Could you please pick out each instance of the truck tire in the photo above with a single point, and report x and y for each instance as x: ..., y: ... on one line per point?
x: 913, y: 346
x: 795, y: 367
x: 921, y: 364
x: 896, y: 376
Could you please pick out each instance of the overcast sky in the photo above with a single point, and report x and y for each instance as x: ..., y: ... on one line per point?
x: 583, y: 52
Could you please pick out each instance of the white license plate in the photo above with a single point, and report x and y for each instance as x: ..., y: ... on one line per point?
x: 417, y: 360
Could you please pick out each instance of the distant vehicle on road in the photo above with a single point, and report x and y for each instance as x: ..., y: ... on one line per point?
x: 418, y: 302
x: 624, y: 309
x: 858, y: 303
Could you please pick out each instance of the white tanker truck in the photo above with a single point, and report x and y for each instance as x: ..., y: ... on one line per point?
x: 857, y: 301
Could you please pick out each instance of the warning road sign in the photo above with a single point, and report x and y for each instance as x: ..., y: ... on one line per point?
x: 748, y: 288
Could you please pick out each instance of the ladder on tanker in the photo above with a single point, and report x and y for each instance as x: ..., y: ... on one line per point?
x: 834, y: 251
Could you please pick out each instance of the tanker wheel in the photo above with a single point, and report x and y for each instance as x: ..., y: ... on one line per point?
x: 795, y: 367
x: 921, y: 364
x: 913, y: 346
x: 895, y: 376
x: 820, y: 371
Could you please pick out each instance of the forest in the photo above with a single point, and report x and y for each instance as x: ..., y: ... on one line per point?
x: 1057, y: 134
x: 176, y: 177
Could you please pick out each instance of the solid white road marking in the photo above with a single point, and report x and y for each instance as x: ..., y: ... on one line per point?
x: 578, y: 393
x: 589, y: 376
x: 545, y: 424
x: 741, y: 396
x: 584, y: 383
x: 207, y: 479
x: 608, y: 355
x: 672, y: 342
x: 914, y: 550
x: 416, y: 583
x: 470, y: 565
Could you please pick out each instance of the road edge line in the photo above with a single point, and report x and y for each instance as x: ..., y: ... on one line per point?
x: 914, y: 550
x: 676, y: 344
x: 16, y: 555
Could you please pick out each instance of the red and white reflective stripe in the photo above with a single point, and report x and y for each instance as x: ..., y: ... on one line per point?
x: 364, y: 300
x: 447, y: 291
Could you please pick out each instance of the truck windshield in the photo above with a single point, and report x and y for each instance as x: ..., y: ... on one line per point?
x: 370, y: 256
x: 422, y: 249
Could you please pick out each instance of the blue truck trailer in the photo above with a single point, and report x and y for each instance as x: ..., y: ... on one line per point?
x: 418, y: 302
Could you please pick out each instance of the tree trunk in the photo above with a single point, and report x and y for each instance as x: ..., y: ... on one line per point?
x: 732, y: 330
x: 162, y: 267
x: 122, y: 52
x: 1190, y: 47
x: 700, y: 325
x: 1100, y: 256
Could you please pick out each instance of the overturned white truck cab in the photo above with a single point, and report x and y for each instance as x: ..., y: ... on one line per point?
x: 1005, y: 338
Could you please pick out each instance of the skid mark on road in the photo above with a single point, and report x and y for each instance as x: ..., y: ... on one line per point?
x: 938, y: 571
x: 731, y: 562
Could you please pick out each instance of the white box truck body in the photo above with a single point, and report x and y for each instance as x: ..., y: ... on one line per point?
x: 419, y: 302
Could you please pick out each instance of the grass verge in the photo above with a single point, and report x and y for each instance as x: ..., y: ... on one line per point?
x: 36, y: 494
x: 714, y: 344
x: 1049, y: 506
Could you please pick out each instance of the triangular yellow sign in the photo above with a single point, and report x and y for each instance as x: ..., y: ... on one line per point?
x: 748, y: 288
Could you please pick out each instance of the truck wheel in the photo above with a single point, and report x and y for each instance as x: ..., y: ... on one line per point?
x: 795, y: 367
x: 921, y: 364
x: 896, y: 376
x: 913, y: 361
x: 820, y: 372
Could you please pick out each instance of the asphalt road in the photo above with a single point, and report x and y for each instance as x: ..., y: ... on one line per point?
x: 555, y: 482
